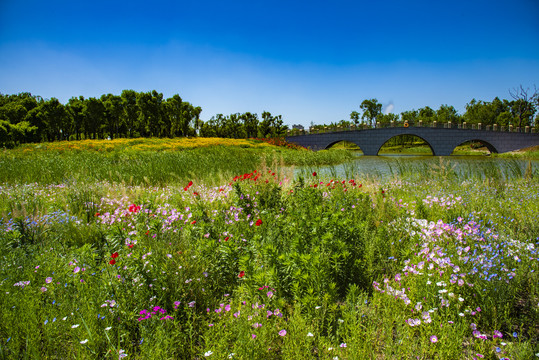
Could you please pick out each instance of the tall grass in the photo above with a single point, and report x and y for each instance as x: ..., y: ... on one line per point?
x: 263, y: 265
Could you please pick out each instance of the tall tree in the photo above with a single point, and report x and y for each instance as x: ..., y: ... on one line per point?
x: 372, y: 109
x: 354, y: 115
x: 250, y: 124
x: 94, y: 112
x: 75, y: 109
x: 113, y: 113
x: 523, y: 106
x: 130, y: 110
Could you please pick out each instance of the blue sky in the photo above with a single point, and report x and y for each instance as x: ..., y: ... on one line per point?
x: 308, y: 61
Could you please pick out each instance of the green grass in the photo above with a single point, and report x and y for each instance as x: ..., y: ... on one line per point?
x: 119, y: 164
x: 253, y: 265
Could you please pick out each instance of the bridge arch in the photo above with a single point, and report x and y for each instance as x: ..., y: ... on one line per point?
x: 411, y: 133
x: 328, y: 146
x: 487, y: 144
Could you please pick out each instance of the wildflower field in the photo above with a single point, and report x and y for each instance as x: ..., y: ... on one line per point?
x: 259, y: 264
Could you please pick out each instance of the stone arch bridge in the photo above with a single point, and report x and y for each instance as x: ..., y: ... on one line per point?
x: 442, y: 141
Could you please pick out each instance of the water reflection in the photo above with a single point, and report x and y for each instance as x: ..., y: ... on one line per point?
x: 413, y: 166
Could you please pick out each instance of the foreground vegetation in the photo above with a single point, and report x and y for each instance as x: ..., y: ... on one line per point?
x: 260, y: 264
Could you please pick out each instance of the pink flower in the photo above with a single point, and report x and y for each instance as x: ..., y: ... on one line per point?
x: 433, y: 339
x: 282, y: 332
x: 48, y: 280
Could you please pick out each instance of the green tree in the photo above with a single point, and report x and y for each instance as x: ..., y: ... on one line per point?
x: 354, y: 115
x: 113, y: 114
x: 130, y: 110
x: 447, y: 113
x: 75, y: 109
x: 523, y: 106
x: 427, y: 114
x: 94, y: 112
x: 372, y: 110
x: 412, y: 116
x: 250, y: 124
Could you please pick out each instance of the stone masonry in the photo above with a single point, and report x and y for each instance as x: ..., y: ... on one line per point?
x: 441, y: 141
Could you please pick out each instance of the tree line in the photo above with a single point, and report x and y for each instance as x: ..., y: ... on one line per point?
x: 519, y: 112
x: 28, y: 118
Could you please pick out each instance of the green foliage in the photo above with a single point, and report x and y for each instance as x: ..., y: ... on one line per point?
x: 264, y: 265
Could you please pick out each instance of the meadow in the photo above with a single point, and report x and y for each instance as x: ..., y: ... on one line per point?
x: 219, y: 252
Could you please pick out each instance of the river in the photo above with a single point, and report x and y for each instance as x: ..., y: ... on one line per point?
x: 389, y: 167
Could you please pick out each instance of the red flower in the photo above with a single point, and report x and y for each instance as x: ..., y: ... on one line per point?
x: 314, y: 173
x: 97, y: 214
x: 258, y: 222
x: 241, y: 274
x: 112, y: 262
x: 228, y: 237
x: 114, y: 256
x: 134, y: 208
x: 193, y: 222
x: 195, y: 193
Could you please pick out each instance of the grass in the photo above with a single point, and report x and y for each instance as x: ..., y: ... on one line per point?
x: 150, y: 161
x: 259, y: 264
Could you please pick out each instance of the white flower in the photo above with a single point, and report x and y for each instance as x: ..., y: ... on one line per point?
x: 208, y: 353
x: 231, y: 355
x: 75, y: 326
x: 310, y: 334
x: 108, y: 328
x: 84, y: 341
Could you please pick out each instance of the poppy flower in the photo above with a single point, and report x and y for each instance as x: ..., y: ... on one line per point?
x: 314, y: 173
x: 258, y: 222
x: 241, y: 274
x: 193, y: 222
x: 195, y: 193
x: 97, y: 214
x: 112, y: 262
x: 114, y: 256
x: 130, y: 246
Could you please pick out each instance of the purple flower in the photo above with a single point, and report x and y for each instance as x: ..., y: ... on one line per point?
x: 497, y: 334
x: 269, y: 294
x: 433, y: 339
x: 282, y: 332
x: 76, y: 269
x: 48, y: 280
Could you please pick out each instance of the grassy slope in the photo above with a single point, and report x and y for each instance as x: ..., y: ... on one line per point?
x: 155, y: 161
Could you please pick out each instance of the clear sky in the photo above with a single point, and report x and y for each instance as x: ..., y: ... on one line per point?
x: 310, y: 61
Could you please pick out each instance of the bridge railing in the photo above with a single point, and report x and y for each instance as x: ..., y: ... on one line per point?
x: 433, y: 124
